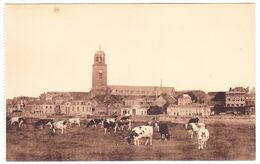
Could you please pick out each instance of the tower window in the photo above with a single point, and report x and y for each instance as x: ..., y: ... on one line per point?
x: 100, y: 74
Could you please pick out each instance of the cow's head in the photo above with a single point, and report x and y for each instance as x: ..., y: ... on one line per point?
x: 131, y: 136
x: 50, y: 124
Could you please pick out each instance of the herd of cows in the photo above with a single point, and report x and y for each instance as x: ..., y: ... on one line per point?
x: 193, y: 126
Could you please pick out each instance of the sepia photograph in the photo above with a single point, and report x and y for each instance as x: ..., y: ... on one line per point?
x: 130, y: 82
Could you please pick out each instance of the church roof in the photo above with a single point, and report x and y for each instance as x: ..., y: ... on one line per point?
x: 239, y: 90
x: 100, y: 52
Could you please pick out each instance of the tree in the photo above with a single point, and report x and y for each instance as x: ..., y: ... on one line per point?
x: 154, y: 110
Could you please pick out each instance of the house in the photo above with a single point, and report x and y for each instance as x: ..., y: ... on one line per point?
x: 77, y: 107
x: 184, y: 99
x: 194, y: 109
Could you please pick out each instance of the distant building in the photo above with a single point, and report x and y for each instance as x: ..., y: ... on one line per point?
x: 40, y: 109
x: 134, y: 110
x: 100, y: 87
x: 250, y: 103
x: 184, y: 99
x: 236, y: 97
x: 160, y: 102
x: 189, y: 110
x: 76, y: 108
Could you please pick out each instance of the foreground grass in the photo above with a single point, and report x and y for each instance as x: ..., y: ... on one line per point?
x: 227, y: 142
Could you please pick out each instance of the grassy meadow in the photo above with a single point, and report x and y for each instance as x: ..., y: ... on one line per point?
x: 226, y: 142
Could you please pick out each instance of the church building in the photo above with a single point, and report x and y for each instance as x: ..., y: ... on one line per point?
x: 100, y: 87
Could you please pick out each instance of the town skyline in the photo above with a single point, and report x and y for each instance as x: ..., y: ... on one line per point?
x: 53, y: 48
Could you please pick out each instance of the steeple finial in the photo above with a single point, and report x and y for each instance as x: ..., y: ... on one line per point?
x: 99, y: 47
x: 161, y: 83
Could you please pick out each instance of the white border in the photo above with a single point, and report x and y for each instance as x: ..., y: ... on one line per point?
x: 2, y: 63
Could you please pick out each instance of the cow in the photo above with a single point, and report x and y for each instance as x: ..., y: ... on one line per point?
x: 58, y: 125
x: 109, y: 125
x: 141, y: 132
x: 201, y: 125
x: 124, y: 118
x: 163, y: 130
x: 194, y: 129
x: 122, y: 123
x: 42, y: 122
x: 203, y: 136
x: 74, y: 121
x: 94, y: 122
x: 19, y: 120
x: 192, y: 120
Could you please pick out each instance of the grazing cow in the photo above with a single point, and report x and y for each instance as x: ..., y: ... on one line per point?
x: 194, y: 129
x: 109, y: 125
x: 141, y: 132
x: 42, y: 122
x: 19, y: 120
x: 58, y: 125
x: 203, y: 136
x: 74, y: 121
x: 94, y: 122
x: 124, y: 118
x: 192, y: 120
x: 163, y: 130
x: 111, y: 119
x: 122, y: 123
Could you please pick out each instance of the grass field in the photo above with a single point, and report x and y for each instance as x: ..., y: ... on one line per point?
x: 226, y: 142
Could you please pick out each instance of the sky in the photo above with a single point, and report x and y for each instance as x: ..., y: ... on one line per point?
x: 188, y: 46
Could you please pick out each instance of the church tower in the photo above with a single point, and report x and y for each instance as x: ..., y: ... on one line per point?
x: 99, y: 73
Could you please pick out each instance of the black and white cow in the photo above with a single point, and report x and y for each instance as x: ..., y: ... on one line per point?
x: 192, y: 120
x: 202, y: 136
x: 62, y: 125
x: 124, y: 123
x: 42, y: 122
x: 107, y: 124
x: 95, y: 122
x: 74, y: 121
x: 141, y: 132
x: 124, y: 118
x: 163, y: 130
x: 19, y: 120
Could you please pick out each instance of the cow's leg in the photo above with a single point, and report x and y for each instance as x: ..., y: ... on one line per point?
x: 41, y: 126
x: 20, y: 123
x: 105, y: 130
x: 79, y: 124
x: 146, y: 142
x: 138, y: 142
x: 151, y: 140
